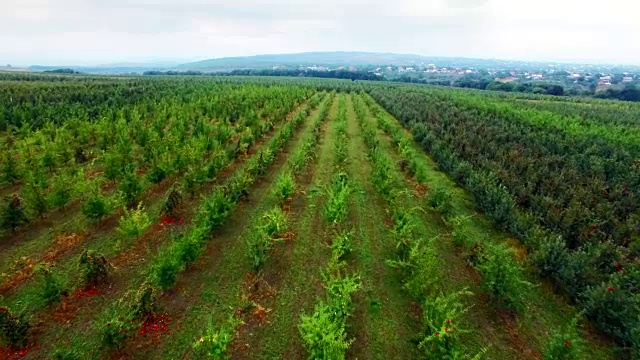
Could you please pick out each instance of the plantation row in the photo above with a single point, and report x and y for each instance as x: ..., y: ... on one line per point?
x: 287, y: 218
x: 567, y: 190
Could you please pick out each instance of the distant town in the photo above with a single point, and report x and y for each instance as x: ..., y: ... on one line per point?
x: 562, y: 79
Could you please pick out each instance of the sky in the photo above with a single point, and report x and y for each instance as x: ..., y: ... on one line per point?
x: 91, y: 32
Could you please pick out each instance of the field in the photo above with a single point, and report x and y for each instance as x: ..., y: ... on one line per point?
x: 254, y: 218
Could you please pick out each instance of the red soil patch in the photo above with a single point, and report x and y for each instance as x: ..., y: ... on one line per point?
x: 62, y: 244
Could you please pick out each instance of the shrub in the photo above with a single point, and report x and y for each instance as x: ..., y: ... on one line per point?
x: 133, y: 222
x: 165, y: 271
x: 173, y: 198
x: 144, y: 303
x: 324, y: 335
x: 285, y: 186
x: 51, y: 287
x: 502, y: 277
x: 441, y: 315
x: 274, y: 222
x: 341, y: 245
x: 115, y: 333
x: 156, y: 175
x: 217, y: 208
x: 336, y: 208
x: 95, y: 208
x: 93, y: 267
x: 440, y: 200
x: 61, y: 191
x: 565, y: 345
x: 259, y: 245
x: 215, y: 342
x: 130, y: 187
x: 35, y: 197
x: 10, y: 168
x: 13, y: 214
x: 614, y: 309
x: 13, y: 329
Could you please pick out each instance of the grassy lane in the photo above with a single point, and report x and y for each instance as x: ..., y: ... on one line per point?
x: 306, y: 256
x: 223, y: 283
x: 383, y: 324
x: 86, y: 311
x: 265, y: 287
x: 511, y: 335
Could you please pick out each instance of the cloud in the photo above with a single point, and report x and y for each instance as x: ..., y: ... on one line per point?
x: 92, y: 31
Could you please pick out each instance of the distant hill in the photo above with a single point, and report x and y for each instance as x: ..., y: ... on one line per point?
x: 332, y: 60
x: 354, y: 58
x: 338, y: 58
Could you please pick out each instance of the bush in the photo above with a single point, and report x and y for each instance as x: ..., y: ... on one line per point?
x: 95, y: 208
x: 173, y: 199
x: 9, y: 168
x: 51, y: 287
x: 133, y: 222
x: 156, y: 175
x: 336, y: 208
x: 323, y: 335
x: 502, y: 277
x: 93, y: 267
x: 285, y: 186
x: 274, y: 222
x: 165, y: 270
x: 115, y: 333
x: 14, y: 330
x: 61, y: 191
x: 215, y: 342
x: 130, y: 187
x: 144, y: 303
x: 13, y: 214
x: 217, y: 208
x: 565, y: 345
x: 441, y: 316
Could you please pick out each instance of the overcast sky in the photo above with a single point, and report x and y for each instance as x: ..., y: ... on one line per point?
x: 82, y: 32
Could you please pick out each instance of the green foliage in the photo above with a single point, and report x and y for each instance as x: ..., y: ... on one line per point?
x: 96, y: 206
x: 264, y: 236
x: 565, y: 344
x: 165, y: 270
x: 115, y: 332
x: 13, y: 214
x: 341, y: 245
x: 35, y: 195
x: 441, y: 317
x: 440, y: 199
x: 10, y: 172
x: 217, y: 208
x: 273, y: 222
x: 501, y: 276
x: 144, y: 304
x: 214, y: 344
x: 130, y: 187
x: 61, y: 191
x: 51, y: 287
x: 14, y: 330
x: 336, y: 207
x: 323, y: 335
x: 157, y: 174
x: 285, y: 186
x: 133, y: 222
x: 93, y: 267
x: 172, y: 200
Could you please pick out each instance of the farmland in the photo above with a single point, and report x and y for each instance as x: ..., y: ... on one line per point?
x: 264, y: 218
